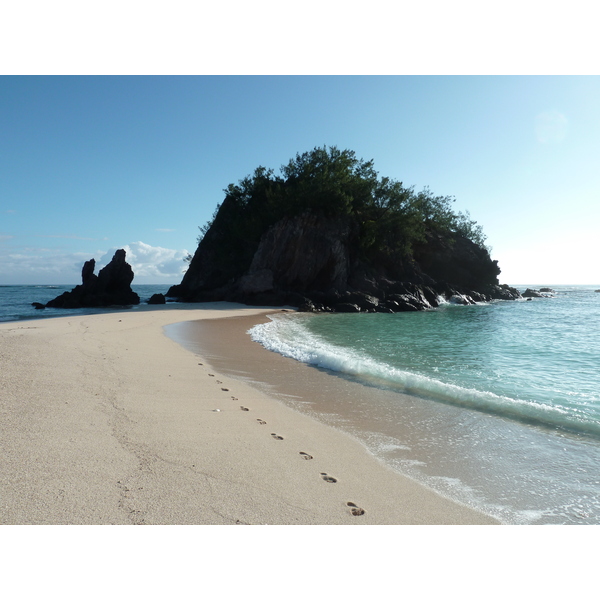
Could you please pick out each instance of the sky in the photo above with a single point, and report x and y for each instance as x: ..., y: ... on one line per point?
x: 90, y: 164
x: 121, y: 127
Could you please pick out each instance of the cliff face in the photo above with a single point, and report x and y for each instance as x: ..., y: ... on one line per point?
x: 314, y: 262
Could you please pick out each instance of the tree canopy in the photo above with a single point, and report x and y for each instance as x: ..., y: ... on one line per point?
x: 389, y: 217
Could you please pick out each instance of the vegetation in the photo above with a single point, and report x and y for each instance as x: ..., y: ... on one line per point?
x: 389, y: 218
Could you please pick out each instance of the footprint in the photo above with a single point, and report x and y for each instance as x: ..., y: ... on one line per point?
x: 328, y: 478
x: 217, y: 381
x: 210, y: 375
x: 200, y: 364
x: 277, y: 437
x: 356, y: 511
x: 261, y: 422
x: 224, y: 389
x: 305, y: 456
x: 244, y: 408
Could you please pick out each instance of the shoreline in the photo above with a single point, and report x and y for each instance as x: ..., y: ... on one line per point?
x: 108, y: 420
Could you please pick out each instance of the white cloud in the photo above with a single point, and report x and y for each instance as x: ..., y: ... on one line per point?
x: 40, y: 266
x: 150, y: 262
x: 27, y: 265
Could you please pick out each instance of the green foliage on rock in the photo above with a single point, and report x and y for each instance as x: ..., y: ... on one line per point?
x: 389, y: 218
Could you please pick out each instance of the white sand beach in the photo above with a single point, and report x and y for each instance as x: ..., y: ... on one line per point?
x: 106, y: 420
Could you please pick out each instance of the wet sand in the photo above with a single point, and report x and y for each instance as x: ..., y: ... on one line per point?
x: 106, y: 420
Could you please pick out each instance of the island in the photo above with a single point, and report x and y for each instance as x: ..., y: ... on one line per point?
x: 330, y: 234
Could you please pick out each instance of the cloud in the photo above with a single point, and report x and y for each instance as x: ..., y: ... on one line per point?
x: 38, y: 265
x: 151, y: 262
x: 551, y: 126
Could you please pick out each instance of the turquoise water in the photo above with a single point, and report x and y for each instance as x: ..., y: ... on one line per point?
x: 517, y: 381
x: 500, y: 407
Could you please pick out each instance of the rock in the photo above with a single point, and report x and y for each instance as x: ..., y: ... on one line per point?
x: 308, y: 306
x: 365, y: 302
x: 547, y: 290
x: 502, y: 292
x: 529, y: 293
x: 257, y: 281
x: 38, y: 306
x: 457, y: 260
x: 404, y: 303
x: 111, y: 287
x: 346, y: 307
x: 157, y: 299
x: 387, y: 307
x: 460, y: 299
x: 301, y: 253
x: 315, y: 262
x: 87, y: 273
x: 597, y: 290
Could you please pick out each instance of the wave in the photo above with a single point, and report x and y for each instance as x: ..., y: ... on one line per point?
x: 288, y: 337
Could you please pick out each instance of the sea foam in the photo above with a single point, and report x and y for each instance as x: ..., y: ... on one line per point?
x: 289, y: 337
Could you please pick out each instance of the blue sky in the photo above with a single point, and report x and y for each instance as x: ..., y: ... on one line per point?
x: 89, y: 164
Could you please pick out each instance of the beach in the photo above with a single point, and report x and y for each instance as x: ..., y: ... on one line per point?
x: 107, y: 420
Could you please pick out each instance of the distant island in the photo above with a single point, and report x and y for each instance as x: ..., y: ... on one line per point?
x: 329, y: 234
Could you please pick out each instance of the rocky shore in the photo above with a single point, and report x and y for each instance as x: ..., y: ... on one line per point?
x: 311, y: 263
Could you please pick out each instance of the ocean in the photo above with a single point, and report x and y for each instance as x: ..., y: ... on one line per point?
x: 496, y: 405
x: 16, y: 301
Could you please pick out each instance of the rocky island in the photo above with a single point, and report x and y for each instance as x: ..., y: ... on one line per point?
x: 329, y: 234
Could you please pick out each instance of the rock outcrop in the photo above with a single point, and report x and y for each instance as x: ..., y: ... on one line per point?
x: 314, y: 263
x: 541, y: 293
x: 111, y: 287
x: 157, y: 299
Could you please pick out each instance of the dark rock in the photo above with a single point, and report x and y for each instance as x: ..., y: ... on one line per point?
x: 315, y: 262
x: 157, y: 299
x: 307, y: 306
x: 456, y: 259
x: 346, y: 307
x: 387, y: 307
x: 301, y: 253
x: 460, y: 299
x: 87, y: 273
x: 502, y: 292
x: 404, y: 303
x: 111, y: 287
x: 529, y: 293
x: 365, y: 302
x: 547, y: 290
x: 38, y: 306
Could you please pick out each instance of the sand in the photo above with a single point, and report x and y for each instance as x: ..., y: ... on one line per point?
x: 106, y: 420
